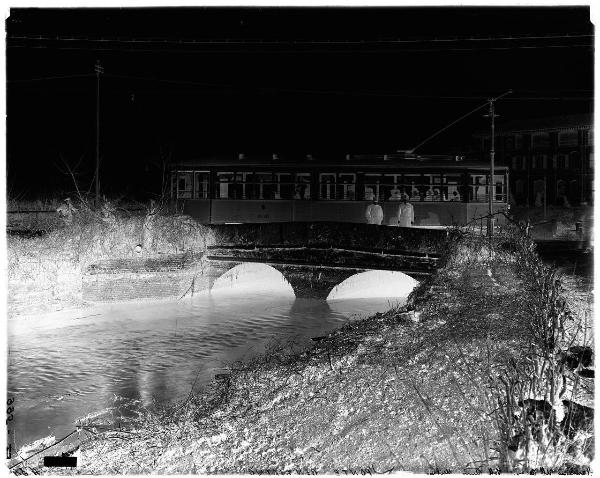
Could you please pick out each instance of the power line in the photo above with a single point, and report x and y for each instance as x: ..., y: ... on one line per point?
x: 227, y: 41
x: 306, y: 51
x: 312, y: 91
x: 336, y: 92
x: 43, y: 78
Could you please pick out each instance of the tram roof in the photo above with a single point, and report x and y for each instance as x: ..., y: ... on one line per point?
x: 352, y: 161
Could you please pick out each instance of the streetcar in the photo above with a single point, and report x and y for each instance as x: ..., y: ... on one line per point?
x: 444, y: 190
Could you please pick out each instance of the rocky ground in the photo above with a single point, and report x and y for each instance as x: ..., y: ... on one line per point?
x: 416, y: 389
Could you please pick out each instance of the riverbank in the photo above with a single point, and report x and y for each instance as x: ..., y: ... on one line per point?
x: 45, y: 271
x: 414, y: 389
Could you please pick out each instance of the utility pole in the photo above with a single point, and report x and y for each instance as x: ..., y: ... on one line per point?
x: 99, y: 70
x: 491, y: 185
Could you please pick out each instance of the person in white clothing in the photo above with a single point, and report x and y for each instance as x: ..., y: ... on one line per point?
x: 406, y: 213
x: 374, y: 213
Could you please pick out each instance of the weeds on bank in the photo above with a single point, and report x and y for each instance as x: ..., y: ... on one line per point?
x: 536, y: 397
x: 498, y: 389
x: 471, y: 387
x: 55, y: 260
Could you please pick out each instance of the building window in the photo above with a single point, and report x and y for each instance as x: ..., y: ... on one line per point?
x: 519, y: 142
x: 540, y: 161
x: 540, y: 140
x: 510, y: 142
x: 568, y: 138
x: 562, y: 161
x: 519, y: 187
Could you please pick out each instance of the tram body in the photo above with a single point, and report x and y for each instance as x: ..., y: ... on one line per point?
x: 442, y: 190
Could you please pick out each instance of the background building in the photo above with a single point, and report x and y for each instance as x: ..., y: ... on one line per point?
x: 552, y: 156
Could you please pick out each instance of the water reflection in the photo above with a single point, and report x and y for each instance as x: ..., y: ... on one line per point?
x: 372, y: 284
x: 150, y: 351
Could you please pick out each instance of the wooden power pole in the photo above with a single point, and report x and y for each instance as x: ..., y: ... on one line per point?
x: 491, y: 184
x: 99, y: 70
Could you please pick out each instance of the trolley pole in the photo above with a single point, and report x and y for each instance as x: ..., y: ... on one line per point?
x: 99, y: 70
x: 491, y: 185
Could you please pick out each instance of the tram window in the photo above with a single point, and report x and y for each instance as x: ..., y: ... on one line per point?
x: 499, y: 189
x: 284, y: 186
x: 372, y: 187
x: 390, y: 188
x: 346, y: 186
x: 452, y: 187
x: 173, y: 185
x: 478, y: 188
x: 249, y: 185
x: 264, y: 186
x: 184, y: 185
x: 225, y: 185
x: 432, y: 184
x: 201, y: 187
x: 412, y: 186
x: 302, y: 186
x: 327, y: 186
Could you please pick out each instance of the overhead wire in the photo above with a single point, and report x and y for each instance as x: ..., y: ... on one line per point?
x: 340, y: 92
x: 43, y: 78
x: 297, y: 50
x: 308, y: 91
x: 503, y: 37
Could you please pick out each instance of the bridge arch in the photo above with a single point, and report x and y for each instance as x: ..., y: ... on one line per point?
x: 253, y: 277
x: 374, y: 283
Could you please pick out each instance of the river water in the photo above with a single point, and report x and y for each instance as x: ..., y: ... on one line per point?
x: 70, y: 365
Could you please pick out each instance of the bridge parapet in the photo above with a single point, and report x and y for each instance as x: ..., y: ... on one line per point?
x: 330, y: 257
x: 364, y: 237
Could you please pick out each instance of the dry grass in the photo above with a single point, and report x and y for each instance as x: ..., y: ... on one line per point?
x: 44, y: 272
x: 439, y: 386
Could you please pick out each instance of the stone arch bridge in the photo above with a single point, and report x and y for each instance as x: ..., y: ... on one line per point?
x: 312, y: 257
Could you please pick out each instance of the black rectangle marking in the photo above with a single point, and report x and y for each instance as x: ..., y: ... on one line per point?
x: 62, y: 461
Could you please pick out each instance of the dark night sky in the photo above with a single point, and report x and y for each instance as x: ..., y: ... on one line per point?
x: 297, y: 80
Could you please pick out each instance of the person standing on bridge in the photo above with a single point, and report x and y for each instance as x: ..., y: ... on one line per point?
x: 406, y: 213
x: 374, y: 213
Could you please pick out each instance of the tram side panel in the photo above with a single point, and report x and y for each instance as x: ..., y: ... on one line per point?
x: 340, y: 211
x: 426, y: 213
x: 199, y: 209
x: 248, y: 210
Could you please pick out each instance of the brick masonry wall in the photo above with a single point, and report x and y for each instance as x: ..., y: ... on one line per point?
x: 156, y: 278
